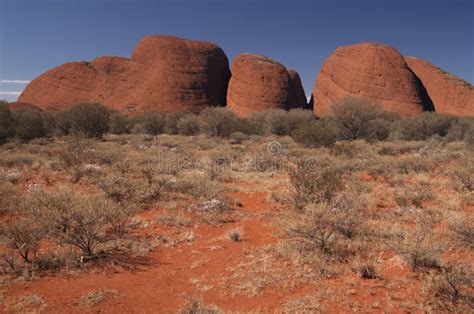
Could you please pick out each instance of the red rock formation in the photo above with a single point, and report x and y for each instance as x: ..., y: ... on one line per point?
x: 164, y: 74
x: 450, y: 94
x: 297, y: 96
x: 23, y: 105
x: 259, y: 83
x: 372, y: 71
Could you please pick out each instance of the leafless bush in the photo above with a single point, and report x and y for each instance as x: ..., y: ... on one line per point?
x: 451, y: 288
x: 463, y: 229
x: 314, y: 185
x: 74, y: 155
x: 464, y: 176
x: 84, y: 222
x: 118, y: 187
x: 8, y: 197
x: 23, y: 236
x: 419, y: 245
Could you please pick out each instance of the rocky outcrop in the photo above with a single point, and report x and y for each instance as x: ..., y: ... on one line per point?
x: 373, y: 71
x: 164, y: 74
x: 449, y: 93
x: 259, y: 83
x: 297, y: 96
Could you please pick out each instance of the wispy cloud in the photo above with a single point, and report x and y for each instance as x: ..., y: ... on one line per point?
x: 15, y: 81
x: 10, y: 93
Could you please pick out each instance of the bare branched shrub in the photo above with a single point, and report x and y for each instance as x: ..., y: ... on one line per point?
x: 23, y: 236
x: 8, y: 197
x: 464, y: 176
x: 419, y: 245
x: 463, y: 230
x: 84, y: 222
x: 218, y: 122
x: 451, y: 288
x: 354, y: 116
x: 314, y: 185
x: 118, y: 187
x: 74, y: 155
x: 189, y: 124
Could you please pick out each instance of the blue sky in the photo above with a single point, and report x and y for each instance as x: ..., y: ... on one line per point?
x: 38, y: 35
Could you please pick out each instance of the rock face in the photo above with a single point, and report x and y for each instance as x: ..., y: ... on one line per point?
x: 450, y: 94
x: 373, y: 71
x: 297, y: 96
x: 259, y: 83
x: 16, y: 105
x: 164, y: 74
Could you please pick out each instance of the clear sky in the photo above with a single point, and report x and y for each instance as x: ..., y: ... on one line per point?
x: 36, y: 35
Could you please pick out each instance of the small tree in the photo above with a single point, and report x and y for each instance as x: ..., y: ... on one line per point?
x: 353, y: 116
x: 91, y: 120
x: 28, y: 124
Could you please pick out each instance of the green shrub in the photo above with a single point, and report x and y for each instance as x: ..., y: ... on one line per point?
x: 7, y: 124
x: 92, y: 120
x: 28, y: 124
x: 424, y: 126
x: 118, y: 123
x: 189, y: 124
x: 316, y: 134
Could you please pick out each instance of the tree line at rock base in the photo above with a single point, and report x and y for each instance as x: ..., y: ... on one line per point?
x: 351, y: 118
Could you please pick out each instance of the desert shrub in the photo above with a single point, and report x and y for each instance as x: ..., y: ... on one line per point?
x: 22, y: 235
x: 419, y: 245
x: 459, y: 129
x: 322, y: 227
x: 92, y: 120
x: 74, y: 154
x: 463, y: 230
x: 172, y: 120
x: 450, y: 288
x: 118, y: 123
x: 366, y: 268
x: 316, y: 134
x: 253, y: 125
x: 118, y: 187
x: 355, y: 117
x: 8, y: 197
x: 147, y: 123
x: 218, y: 122
x: 7, y: 124
x: 423, y: 126
x: 28, y: 124
x: 62, y: 122
x: 188, y: 124
x: 464, y: 177
x: 82, y: 221
x: 314, y: 185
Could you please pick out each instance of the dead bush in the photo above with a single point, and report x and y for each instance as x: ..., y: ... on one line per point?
x: 463, y: 230
x: 81, y: 221
x: 74, y: 155
x: 314, y: 185
x: 8, y: 197
x: 419, y: 245
x: 23, y: 236
x: 464, y: 176
x: 194, y: 305
x: 451, y: 288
